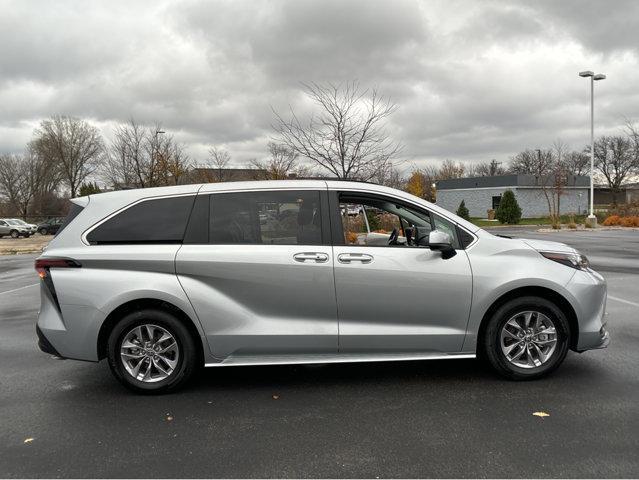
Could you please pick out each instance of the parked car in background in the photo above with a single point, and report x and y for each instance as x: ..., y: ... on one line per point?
x: 207, y: 283
x: 10, y: 227
x: 50, y: 226
x: 30, y: 226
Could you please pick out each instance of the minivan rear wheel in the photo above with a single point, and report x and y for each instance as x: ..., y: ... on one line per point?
x: 526, y: 338
x: 151, y: 351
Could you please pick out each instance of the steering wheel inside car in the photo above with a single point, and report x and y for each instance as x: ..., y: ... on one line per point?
x: 392, y: 240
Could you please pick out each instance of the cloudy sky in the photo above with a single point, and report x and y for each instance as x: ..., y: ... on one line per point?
x: 473, y: 80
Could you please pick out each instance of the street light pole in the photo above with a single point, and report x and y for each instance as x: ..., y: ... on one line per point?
x: 592, y: 220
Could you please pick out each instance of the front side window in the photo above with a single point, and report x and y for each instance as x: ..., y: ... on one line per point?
x: 271, y: 218
x: 381, y: 222
x: 151, y: 221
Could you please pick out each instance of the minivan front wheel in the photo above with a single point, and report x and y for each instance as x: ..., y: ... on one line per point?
x: 526, y: 338
x: 151, y: 351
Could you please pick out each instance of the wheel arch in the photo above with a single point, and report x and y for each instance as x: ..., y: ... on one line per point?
x: 546, y: 293
x: 139, y: 304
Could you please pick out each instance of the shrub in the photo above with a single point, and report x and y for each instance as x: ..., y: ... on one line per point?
x: 572, y: 225
x: 351, y: 238
x: 612, y: 220
x: 630, y: 221
x: 622, y: 221
x: 462, y: 211
x: 509, y: 210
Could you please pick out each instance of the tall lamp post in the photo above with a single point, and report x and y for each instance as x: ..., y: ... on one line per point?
x: 592, y: 220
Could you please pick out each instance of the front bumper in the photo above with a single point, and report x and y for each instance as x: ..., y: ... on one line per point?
x: 589, y: 292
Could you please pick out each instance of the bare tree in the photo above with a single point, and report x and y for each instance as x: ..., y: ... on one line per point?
x: 144, y: 157
x: 72, y: 145
x: 280, y: 165
x: 450, y: 169
x: 532, y: 162
x: 347, y: 137
x: 21, y: 179
x: 126, y: 163
x: 616, y: 158
x: 389, y: 176
x: 219, y: 158
x: 172, y: 162
x: 548, y: 166
x: 577, y: 163
x: 486, y: 169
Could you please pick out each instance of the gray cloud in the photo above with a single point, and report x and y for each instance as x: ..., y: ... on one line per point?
x: 473, y: 80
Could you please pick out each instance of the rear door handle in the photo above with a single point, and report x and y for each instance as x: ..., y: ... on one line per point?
x: 311, y: 257
x: 354, y: 257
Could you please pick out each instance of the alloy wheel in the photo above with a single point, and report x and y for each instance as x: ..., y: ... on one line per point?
x: 528, y: 339
x: 149, y: 353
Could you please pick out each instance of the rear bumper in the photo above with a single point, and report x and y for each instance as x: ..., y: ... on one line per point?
x: 45, y: 345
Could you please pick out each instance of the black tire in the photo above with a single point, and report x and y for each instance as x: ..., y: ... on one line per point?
x: 14, y: 234
x: 43, y: 231
x: 188, y: 360
x: 491, y: 342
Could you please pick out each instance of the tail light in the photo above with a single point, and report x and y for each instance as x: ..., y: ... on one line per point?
x: 42, y: 265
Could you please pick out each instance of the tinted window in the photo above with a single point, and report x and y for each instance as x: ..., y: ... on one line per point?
x: 150, y: 221
x: 274, y: 218
x: 465, y: 238
x: 74, y: 211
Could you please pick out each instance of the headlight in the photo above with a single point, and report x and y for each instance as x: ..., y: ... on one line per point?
x: 573, y: 260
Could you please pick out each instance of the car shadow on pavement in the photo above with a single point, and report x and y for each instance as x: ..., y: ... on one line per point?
x: 436, y: 375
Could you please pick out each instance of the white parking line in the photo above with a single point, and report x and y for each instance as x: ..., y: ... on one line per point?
x: 21, y: 288
x: 623, y: 301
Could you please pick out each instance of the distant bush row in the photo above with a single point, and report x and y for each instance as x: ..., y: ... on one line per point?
x: 616, y: 220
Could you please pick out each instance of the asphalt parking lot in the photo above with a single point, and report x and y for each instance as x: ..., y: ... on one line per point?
x: 409, y: 419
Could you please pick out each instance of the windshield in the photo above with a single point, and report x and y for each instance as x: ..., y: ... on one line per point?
x: 13, y: 222
x: 17, y: 221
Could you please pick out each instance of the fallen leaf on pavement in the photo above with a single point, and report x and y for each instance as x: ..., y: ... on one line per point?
x: 541, y: 414
x: 28, y: 440
x: 275, y: 397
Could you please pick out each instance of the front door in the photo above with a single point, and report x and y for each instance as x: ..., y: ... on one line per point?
x: 397, y: 298
x: 262, y: 282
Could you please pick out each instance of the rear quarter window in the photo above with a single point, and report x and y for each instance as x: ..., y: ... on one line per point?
x: 150, y: 221
x: 74, y: 211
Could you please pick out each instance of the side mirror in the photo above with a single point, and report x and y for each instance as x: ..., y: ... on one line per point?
x: 442, y: 242
x: 420, y: 236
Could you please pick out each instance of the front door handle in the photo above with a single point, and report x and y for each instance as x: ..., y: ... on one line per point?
x: 354, y: 257
x: 311, y: 257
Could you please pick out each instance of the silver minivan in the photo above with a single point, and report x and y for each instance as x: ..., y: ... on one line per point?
x: 162, y: 281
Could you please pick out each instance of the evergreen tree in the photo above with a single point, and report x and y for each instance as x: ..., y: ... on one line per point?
x: 462, y: 211
x: 509, y: 210
x: 89, y: 189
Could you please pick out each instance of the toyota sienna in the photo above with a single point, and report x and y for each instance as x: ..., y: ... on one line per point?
x: 161, y: 281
